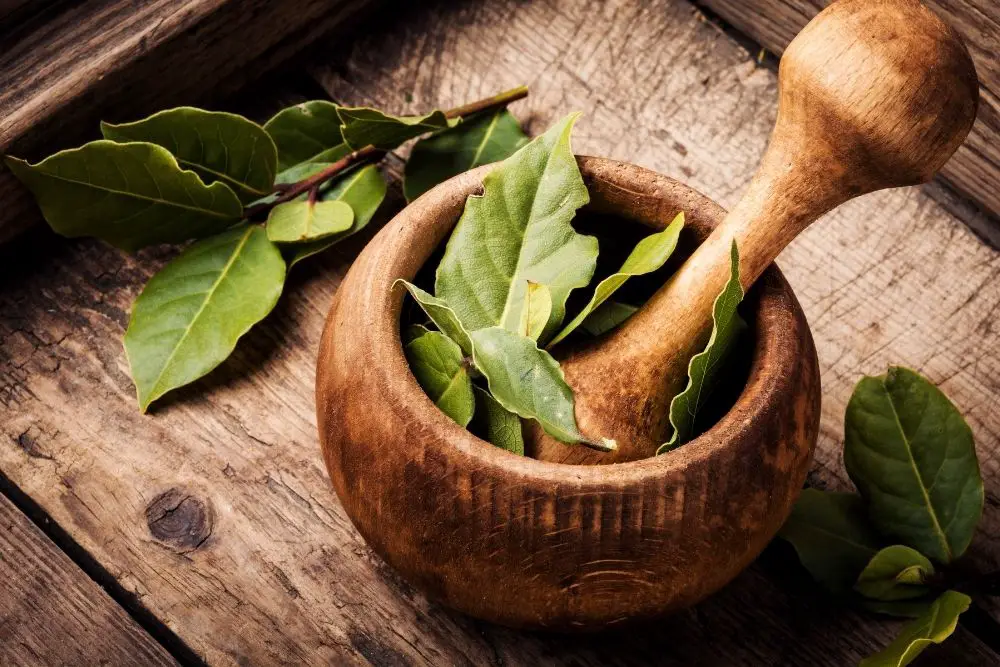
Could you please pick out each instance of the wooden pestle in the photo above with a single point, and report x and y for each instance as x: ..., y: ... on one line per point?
x: 873, y: 94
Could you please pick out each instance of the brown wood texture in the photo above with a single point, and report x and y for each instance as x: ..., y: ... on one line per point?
x: 51, y: 613
x: 975, y: 169
x: 528, y: 543
x: 65, y: 68
x: 258, y: 562
x: 857, y: 112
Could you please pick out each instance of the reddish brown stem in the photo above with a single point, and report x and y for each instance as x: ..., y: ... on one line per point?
x: 312, y: 184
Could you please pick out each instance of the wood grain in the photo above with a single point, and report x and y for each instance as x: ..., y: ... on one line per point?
x: 51, y: 613
x: 65, y: 69
x: 283, y: 577
x: 975, y: 169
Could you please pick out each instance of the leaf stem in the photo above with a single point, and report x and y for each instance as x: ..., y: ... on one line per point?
x: 312, y: 184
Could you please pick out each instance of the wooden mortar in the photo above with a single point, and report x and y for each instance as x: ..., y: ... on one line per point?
x: 530, y: 543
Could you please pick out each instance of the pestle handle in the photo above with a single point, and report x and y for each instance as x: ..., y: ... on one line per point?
x: 872, y: 94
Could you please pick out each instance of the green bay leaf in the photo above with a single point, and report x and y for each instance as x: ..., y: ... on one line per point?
x: 364, y: 126
x: 189, y: 316
x: 535, y: 311
x: 607, y: 316
x: 130, y: 195
x: 832, y: 536
x: 302, y: 221
x: 307, y: 132
x: 704, y: 367
x: 648, y: 255
x: 895, y: 573
x: 436, y: 362
x: 495, y: 424
x: 933, y: 627
x: 517, y: 231
x: 481, y: 139
x: 911, y: 455
x: 441, y: 315
x: 218, y: 146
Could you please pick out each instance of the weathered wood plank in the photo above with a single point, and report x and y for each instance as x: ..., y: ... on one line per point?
x: 69, y: 67
x: 975, y: 169
x: 51, y: 613
x: 258, y: 563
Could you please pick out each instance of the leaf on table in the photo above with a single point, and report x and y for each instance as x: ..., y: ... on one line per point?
x: 441, y: 315
x: 528, y: 382
x: 436, y: 362
x: 535, y: 311
x: 897, y: 608
x: 130, y: 195
x: 363, y: 126
x: 911, y: 455
x: 832, y: 536
x: 307, y: 132
x: 933, y: 627
x: 363, y: 189
x: 704, y: 367
x: 189, y: 316
x: 895, y: 573
x: 648, y: 255
x: 301, y: 221
x: 607, y: 316
x: 517, y: 231
x: 495, y: 424
x: 218, y: 146
x: 481, y: 139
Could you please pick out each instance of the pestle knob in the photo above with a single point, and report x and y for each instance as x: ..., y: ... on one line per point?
x: 872, y: 95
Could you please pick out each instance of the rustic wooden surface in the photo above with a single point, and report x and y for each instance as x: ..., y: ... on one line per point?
x: 51, y: 613
x: 215, y: 511
x: 975, y: 171
x: 66, y: 66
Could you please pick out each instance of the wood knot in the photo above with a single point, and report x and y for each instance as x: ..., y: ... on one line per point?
x: 179, y: 520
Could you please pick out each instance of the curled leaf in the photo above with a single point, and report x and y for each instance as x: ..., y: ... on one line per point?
x: 895, y: 573
x: 933, y: 627
x: 535, y: 311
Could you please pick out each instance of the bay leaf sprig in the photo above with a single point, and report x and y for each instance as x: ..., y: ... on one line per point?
x: 891, y: 548
x: 255, y: 199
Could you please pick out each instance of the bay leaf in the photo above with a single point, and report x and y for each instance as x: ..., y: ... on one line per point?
x: 441, y: 315
x: 363, y: 189
x: 307, y: 132
x: 897, y: 608
x: 436, y: 362
x: 363, y: 126
x: 495, y: 424
x: 300, y: 221
x: 704, y: 367
x: 535, y: 311
x: 911, y: 455
x: 482, y: 139
x: 528, y: 382
x: 607, y: 316
x: 648, y: 255
x: 130, y: 195
x: 517, y: 231
x: 895, y: 573
x: 412, y: 332
x: 832, y: 536
x: 189, y: 316
x: 217, y: 146
x: 933, y: 627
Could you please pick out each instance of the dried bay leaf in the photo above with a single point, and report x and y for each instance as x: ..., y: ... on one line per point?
x: 481, y: 139
x: 648, y: 255
x: 300, y: 221
x: 189, y: 316
x: 911, y: 455
x: 130, y: 195
x: 517, y: 231
x: 218, y: 146
x: 437, y: 363
x: 307, y: 132
x: 704, y: 366
x: 364, y: 126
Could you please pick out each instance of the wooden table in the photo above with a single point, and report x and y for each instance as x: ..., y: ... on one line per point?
x: 211, y: 525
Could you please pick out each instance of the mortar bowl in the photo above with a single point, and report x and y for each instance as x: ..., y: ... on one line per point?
x: 536, y: 544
